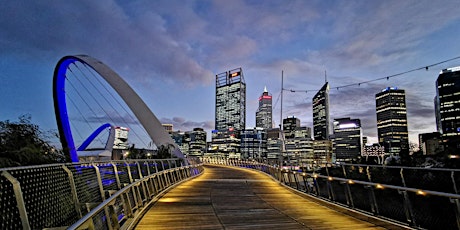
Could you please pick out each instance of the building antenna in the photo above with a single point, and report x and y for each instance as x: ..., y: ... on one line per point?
x: 325, y: 76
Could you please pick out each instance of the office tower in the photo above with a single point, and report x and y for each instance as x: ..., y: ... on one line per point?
x: 430, y: 143
x: 197, y: 145
x: 289, y: 126
x: 392, y: 120
x: 264, y: 112
x: 347, y: 139
x: 448, y: 101
x: 182, y: 140
x: 322, y: 150
x: 254, y: 143
x: 274, y: 143
x: 297, y: 142
x: 230, y: 113
x: 230, y: 100
x: 320, y: 103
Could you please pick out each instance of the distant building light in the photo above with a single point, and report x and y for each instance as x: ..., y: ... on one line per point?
x: 347, y: 126
x: 389, y: 88
x: 235, y: 74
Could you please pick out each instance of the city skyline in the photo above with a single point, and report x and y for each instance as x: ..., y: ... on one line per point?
x: 170, y: 50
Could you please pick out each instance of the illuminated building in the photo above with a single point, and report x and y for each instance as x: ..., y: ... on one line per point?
x: 322, y: 152
x: 253, y: 143
x: 197, y: 142
x: 274, y: 143
x: 430, y: 143
x: 230, y: 112
x: 264, y: 112
x: 392, y: 120
x: 448, y: 107
x: 230, y: 100
x: 290, y: 124
x: 298, y: 143
x: 347, y: 139
x: 320, y: 104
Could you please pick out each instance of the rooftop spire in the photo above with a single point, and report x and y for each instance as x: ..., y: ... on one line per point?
x: 265, y: 89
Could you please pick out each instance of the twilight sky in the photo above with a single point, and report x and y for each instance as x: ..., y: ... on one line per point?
x: 170, y: 51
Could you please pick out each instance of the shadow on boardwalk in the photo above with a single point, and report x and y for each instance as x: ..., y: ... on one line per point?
x: 236, y: 198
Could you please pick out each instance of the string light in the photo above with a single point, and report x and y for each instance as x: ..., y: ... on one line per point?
x: 381, y: 78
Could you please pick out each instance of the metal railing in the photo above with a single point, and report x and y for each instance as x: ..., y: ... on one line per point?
x: 99, y: 195
x: 416, y: 197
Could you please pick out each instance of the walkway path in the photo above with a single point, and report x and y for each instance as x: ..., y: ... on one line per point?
x: 236, y: 198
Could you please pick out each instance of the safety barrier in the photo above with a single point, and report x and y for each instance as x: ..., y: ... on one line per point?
x: 416, y: 197
x: 96, y: 195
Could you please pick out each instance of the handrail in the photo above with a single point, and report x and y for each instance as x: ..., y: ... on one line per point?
x: 410, y: 206
x: 87, y: 222
x: 58, y: 195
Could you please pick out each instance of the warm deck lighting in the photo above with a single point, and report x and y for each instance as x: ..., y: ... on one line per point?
x: 350, y: 182
x: 420, y: 192
x: 379, y: 186
x: 330, y: 178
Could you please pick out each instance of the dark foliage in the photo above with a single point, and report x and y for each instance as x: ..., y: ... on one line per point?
x: 23, y: 143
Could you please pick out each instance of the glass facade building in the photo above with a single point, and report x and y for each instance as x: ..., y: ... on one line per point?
x: 230, y: 100
x: 230, y: 117
x: 448, y: 107
x: 392, y: 120
x: 320, y: 103
x: 253, y: 143
x: 264, y: 111
x: 347, y: 139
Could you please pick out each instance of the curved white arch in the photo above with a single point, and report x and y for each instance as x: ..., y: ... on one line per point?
x: 145, y: 116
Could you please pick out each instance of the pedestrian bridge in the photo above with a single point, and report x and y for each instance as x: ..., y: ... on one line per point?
x: 239, y: 198
x: 226, y: 194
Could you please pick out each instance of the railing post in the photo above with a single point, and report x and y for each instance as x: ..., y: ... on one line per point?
x: 74, y: 190
x: 117, y: 177
x: 19, y: 199
x: 99, y: 181
x: 453, y: 181
x: 372, y: 199
x: 139, y: 170
x: 408, y: 208
x: 129, y: 172
x: 457, y: 211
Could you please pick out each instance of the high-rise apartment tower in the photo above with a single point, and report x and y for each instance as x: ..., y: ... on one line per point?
x: 392, y: 120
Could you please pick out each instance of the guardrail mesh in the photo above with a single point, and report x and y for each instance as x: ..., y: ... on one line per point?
x: 418, y: 197
x: 55, y: 196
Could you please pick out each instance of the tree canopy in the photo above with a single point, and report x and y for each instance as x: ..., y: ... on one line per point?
x: 23, y: 143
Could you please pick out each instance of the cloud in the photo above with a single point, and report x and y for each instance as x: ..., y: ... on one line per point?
x: 182, y: 124
x: 140, y: 47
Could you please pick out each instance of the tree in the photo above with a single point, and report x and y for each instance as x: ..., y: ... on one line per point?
x: 164, y: 151
x: 23, y: 143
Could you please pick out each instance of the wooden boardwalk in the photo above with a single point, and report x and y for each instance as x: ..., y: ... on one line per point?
x: 236, y: 198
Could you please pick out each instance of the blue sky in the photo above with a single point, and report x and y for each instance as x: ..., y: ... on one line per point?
x: 170, y: 52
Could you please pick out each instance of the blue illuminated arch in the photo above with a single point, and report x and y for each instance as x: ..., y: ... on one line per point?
x: 93, y: 135
x: 148, y: 120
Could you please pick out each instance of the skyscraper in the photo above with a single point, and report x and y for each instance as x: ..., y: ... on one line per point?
x: 230, y: 100
x: 230, y: 112
x: 347, y: 139
x: 392, y: 120
x: 448, y: 107
x: 320, y: 104
x: 264, y: 112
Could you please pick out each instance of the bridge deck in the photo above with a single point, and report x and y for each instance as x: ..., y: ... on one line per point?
x: 235, y: 198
